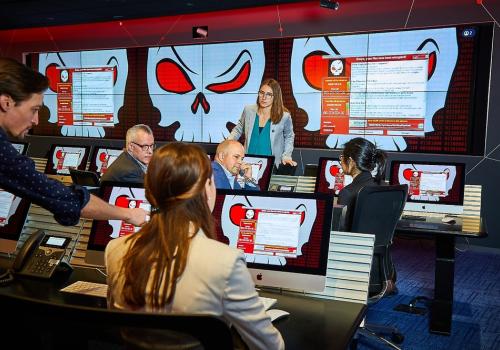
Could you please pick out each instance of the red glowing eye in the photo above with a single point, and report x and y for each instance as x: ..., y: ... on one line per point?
x: 52, y: 73
x: 115, y: 74
x: 314, y: 68
x: 408, y: 173
x: 172, y: 78
x: 59, y: 154
x: 234, y: 84
x: 103, y: 156
x: 236, y: 213
x: 334, y: 169
x: 432, y: 64
x: 302, y: 217
x: 122, y: 201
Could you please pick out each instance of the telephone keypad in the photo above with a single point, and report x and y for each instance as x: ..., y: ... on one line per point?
x: 45, y: 262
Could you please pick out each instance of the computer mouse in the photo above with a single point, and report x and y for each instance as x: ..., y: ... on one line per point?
x: 276, y: 314
x: 448, y: 220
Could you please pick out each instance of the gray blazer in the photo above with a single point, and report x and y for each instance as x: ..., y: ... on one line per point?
x: 281, y: 134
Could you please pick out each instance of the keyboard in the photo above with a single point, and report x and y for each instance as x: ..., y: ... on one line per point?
x: 413, y: 217
x: 268, y: 302
x: 87, y: 288
x: 424, y: 214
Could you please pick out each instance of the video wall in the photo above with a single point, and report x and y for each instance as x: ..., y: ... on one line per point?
x: 422, y: 90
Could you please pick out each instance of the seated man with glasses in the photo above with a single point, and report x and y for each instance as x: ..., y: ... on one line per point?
x: 132, y: 164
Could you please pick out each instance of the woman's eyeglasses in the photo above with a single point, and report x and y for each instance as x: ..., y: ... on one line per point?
x: 264, y: 94
x: 146, y: 148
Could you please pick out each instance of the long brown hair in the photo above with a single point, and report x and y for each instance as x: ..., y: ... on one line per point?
x: 175, y: 188
x: 277, y: 108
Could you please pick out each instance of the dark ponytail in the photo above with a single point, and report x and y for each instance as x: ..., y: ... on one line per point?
x: 366, y: 156
x: 380, y: 160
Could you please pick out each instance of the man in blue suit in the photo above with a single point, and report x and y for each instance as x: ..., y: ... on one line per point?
x: 230, y: 172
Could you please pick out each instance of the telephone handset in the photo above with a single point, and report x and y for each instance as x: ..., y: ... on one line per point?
x: 41, y: 254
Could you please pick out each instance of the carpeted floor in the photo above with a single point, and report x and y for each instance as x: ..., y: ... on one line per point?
x: 476, y: 307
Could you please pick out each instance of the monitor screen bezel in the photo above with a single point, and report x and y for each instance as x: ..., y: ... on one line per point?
x: 93, y: 157
x: 325, y: 239
x: 26, y: 145
x: 11, y: 233
x: 83, y: 165
x: 95, y: 252
x: 393, y: 180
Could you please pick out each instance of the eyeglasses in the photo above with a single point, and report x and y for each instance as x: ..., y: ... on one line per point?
x: 265, y: 94
x: 145, y: 148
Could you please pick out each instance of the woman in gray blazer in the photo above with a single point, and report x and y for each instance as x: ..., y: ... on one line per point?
x: 267, y: 125
x: 174, y: 264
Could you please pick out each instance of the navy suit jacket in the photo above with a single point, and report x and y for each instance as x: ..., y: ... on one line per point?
x: 222, y: 182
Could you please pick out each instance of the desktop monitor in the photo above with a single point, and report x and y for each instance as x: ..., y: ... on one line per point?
x: 21, y: 147
x: 432, y: 186
x: 13, y: 212
x: 121, y: 194
x: 285, y: 236
x: 262, y: 168
x: 62, y: 157
x: 102, y: 158
x: 330, y: 177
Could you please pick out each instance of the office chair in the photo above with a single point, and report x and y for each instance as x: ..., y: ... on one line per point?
x: 377, y: 210
x: 85, y: 327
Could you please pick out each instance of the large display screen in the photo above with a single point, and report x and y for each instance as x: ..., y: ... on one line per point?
x: 420, y: 90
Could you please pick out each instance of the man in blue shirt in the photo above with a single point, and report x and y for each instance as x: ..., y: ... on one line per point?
x: 21, y: 97
x: 230, y: 172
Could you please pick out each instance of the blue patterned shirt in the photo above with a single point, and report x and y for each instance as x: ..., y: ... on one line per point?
x: 19, y: 177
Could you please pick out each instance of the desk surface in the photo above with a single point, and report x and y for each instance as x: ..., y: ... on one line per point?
x: 313, y: 323
x: 463, y: 227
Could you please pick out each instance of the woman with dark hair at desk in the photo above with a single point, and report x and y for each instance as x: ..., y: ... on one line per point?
x: 267, y: 126
x: 174, y: 264
x: 358, y: 159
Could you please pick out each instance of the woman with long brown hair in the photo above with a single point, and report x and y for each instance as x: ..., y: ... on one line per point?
x: 267, y: 125
x: 173, y: 264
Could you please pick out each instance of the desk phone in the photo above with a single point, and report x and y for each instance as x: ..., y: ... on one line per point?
x: 41, y: 255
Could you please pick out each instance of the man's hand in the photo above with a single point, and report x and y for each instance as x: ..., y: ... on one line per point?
x: 246, y: 169
x: 137, y: 216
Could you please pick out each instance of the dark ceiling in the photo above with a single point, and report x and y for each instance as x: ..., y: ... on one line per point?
x: 27, y: 14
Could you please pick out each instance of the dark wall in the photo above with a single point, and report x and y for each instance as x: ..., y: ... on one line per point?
x: 294, y: 20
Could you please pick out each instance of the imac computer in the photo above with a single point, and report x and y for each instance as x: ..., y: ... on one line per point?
x: 62, y: 157
x: 102, y: 158
x: 432, y: 187
x: 121, y: 194
x: 13, y: 212
x: 262, y: 168
x: 285, y: 236
x: 21, y: 147
x: 330, y: 177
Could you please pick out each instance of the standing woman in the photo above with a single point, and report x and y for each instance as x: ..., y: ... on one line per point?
x: 174, y: 264
x: 359, y: 158
x: 267, y: 126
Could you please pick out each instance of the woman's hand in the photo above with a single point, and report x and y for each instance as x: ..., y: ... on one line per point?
x: 289, y: 161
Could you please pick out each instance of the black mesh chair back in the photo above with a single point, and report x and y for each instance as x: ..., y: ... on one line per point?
x: 377, y: 210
